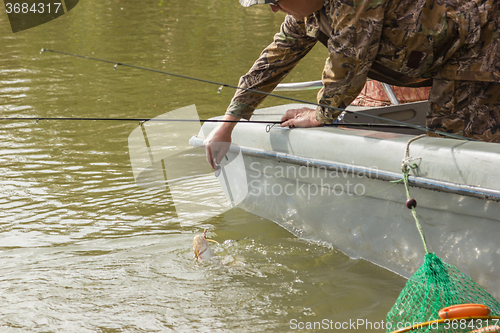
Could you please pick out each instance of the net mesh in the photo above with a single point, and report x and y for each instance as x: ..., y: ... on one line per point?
x: 434, y: 286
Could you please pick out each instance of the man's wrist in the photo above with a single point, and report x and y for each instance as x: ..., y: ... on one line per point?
x: 326, y: 115
x: 240, y: 110
x: 319, y: 115
x: 229, y: 121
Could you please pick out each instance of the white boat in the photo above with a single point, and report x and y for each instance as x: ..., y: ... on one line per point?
x: 333, y: 185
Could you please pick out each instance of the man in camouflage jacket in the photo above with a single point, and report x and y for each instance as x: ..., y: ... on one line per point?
x: 453, y: 45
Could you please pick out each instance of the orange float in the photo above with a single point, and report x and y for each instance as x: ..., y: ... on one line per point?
x: 464, y: 310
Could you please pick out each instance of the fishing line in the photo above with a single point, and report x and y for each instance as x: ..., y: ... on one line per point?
x: 142, y: 120
x: 222, y: 85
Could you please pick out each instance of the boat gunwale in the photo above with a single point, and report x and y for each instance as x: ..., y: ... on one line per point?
x: 390, y: 176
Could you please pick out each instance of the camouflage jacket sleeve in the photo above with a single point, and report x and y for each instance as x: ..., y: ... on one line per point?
x: 353, y: 45
x: 289, y: 46
x: 438, y: 39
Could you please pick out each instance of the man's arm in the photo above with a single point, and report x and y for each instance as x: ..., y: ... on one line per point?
x: 218, y: 141
x: 353, y: 46
x: 290, y: 45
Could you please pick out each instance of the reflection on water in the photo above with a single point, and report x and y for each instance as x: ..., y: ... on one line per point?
x: 83, y: 249
x: 256, y: 281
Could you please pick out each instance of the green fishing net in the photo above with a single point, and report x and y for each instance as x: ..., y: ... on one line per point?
x: 434, y: 286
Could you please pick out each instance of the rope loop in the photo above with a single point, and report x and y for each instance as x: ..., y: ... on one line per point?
x: 406, y: 166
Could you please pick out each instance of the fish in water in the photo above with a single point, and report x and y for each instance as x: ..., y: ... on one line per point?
x: 201, y: 249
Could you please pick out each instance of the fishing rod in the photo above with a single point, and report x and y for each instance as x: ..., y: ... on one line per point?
x: 270, y: 123
x: 143, y: 120
x: 222, y: 85
x: 140, y: 120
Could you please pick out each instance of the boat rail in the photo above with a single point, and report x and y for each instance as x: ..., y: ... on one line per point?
x: 421, y: 182
x: 298, y: 86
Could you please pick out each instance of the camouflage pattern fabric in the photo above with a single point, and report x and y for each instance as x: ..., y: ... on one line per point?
x: 444, y: 40
x: 290, y: 45
x: 467, y: 108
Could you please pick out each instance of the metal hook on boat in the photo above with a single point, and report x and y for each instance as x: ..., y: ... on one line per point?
x: 269, y: 127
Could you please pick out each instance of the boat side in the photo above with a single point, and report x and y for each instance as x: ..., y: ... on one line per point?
x: 334, y: 185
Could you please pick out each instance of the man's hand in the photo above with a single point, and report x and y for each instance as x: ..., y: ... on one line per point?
x: 217, y: 143
x: 304, y: 117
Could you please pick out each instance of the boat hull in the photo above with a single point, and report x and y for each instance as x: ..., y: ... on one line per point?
x: 337, y: 186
